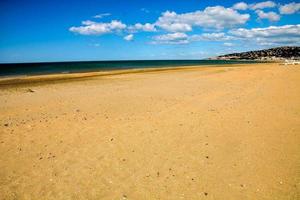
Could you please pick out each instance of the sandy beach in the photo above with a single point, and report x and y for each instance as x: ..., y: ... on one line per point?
x: 230, y: 132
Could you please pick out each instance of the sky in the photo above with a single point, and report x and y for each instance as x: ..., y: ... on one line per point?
x: 84, y: 30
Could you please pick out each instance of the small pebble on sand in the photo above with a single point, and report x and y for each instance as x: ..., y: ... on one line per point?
x: 30, y: 90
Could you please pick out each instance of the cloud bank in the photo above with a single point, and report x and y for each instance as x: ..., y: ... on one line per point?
x: 215, y: 23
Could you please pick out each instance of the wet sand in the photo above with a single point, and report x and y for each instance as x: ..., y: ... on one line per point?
x: 198, y: 133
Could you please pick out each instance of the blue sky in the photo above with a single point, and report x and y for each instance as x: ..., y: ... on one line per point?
x: 61, y: 30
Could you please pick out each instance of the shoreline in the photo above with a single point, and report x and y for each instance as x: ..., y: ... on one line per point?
x: 60, y: 77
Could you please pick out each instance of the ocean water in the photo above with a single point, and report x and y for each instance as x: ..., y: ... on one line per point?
x: 14, y: 69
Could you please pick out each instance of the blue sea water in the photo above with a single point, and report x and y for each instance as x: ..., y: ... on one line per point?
x: 13, y: 69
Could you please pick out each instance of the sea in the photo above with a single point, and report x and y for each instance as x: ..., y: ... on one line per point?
x: 19, y: 69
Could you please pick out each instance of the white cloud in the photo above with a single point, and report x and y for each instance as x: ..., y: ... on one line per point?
x: 271, y: 31
x: 169, y: 21
x: 98, y: 28
x: 175, y: 27
x: 216, y: 17
x: 99, y: 16
x: 254, y: 6
x: 182, y: 38
x: 287, y: 34
x: 142, y: 27
x: 272, y: 16
x: 211, y: 37
x: 262, y: 5
x: 278, y: 41
x: 128, y: 37
x: 290, y: 8
x: 228, y: 44
x: 240, y: 6
x: 171, y: 38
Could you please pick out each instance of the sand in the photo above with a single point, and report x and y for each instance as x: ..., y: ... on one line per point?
x: 202, y: 133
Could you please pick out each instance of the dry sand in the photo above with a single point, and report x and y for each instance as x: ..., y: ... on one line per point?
x: 213, y: 133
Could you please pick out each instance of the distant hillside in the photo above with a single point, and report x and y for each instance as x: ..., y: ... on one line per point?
x: 267, y: 54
